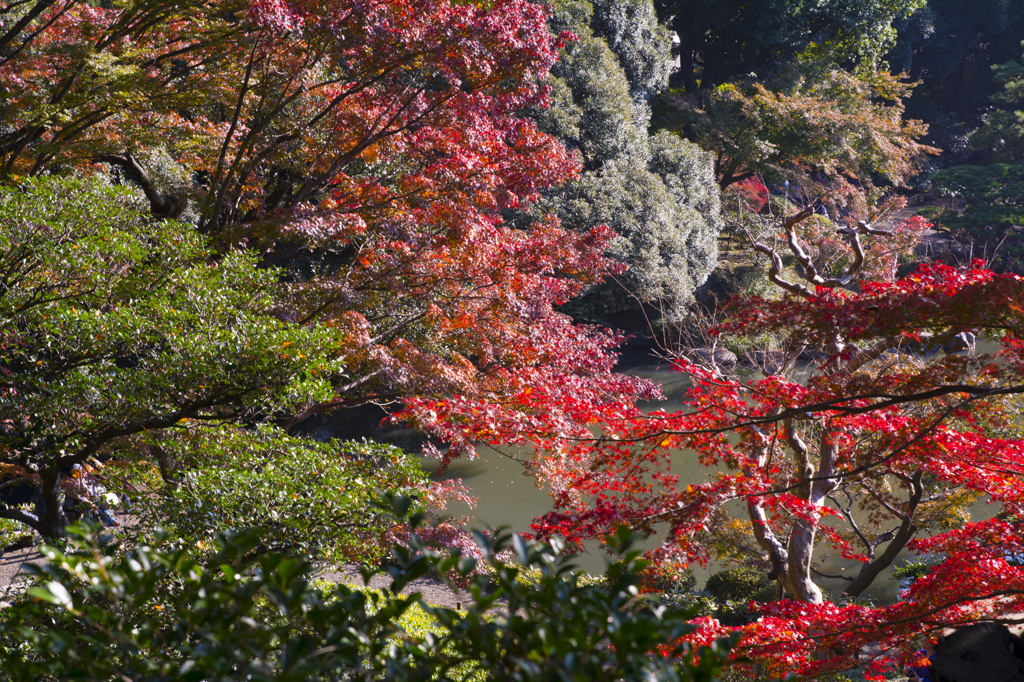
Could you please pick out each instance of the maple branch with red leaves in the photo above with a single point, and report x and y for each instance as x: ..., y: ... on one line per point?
x: 864, y: 420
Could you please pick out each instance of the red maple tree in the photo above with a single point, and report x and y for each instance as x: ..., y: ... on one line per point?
x: 872, y: 455
x: 369, y: 146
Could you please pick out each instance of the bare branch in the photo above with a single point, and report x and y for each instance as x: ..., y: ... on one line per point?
x: 870, y: 570
x: 20, y: 516
x: 766, y: 538
x: 776, y: 267
x: 847, y: 513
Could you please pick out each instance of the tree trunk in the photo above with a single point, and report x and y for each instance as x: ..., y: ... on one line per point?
x: 168, y: 472
x: 687, y: 53
x: 50, y: 510
x: 162, y: 204
x: 800, y: 547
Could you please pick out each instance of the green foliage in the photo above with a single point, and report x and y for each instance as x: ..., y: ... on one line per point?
x: 948, y: 46
x: 814, y: 125
x: 592, y: 110
x: 732, y: 591
x: 994, y: 196
x: 309, y: 497
x: 156, y: 613
x: 561, y: 628
x: 1002, y: 134
x: 534, y: 576
x: 10, y: 533
x: 668, y: 222
x: 416, y: 622
x: 912, y: 570
x: 643, y: 46
x: 115, y: 324
x: 737, y: 584
x: 674, y: 587
x: 724, y: 39
x: 656, y: 191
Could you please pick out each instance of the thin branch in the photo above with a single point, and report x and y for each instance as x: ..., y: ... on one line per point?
x: 833, y: 577
x: 21, y: 516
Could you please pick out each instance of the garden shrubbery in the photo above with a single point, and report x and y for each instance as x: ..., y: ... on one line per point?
x: 160, y: 611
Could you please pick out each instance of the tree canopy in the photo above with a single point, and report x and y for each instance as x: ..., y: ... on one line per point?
x: 948, y: 47
x: 992, y: 194
x: 879, y: 446
x: 1001, y: 137
x: 796, y: 94
x: 993, y: 197
x: 827, y: 131
x: 220, y: 220
x: 369, y: 149
x: 723, y: 40
x: 655, y: 191
x: 117, y: 324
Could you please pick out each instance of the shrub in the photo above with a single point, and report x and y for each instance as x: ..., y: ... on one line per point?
x: 156, y: 613
x: 737, y: 584
x: 309, y: 497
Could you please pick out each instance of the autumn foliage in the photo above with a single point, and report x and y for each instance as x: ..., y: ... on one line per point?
x: 369, y: 147
x: 870, y: 456
x: 355, y: 161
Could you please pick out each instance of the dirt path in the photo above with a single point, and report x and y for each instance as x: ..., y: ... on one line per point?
x: 433, y: 590
x: 11, y: 564
x: 934, y: 245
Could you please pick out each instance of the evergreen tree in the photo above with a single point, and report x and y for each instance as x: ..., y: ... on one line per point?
x: 657, y: 191
x: 721, y: 40
x: 1001, y: 137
